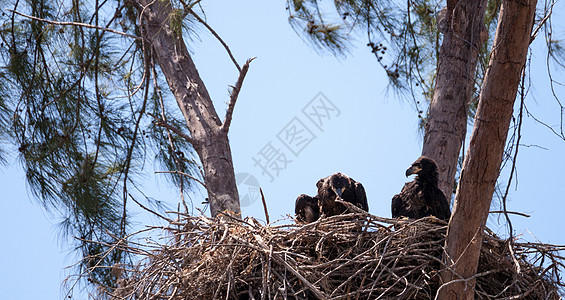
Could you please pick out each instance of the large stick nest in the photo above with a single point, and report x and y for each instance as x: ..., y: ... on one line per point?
x: 355, y: 256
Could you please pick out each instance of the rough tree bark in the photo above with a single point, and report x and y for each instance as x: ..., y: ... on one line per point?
x: 447, y: 121
x: 484, y: 157
x: 208, y: 134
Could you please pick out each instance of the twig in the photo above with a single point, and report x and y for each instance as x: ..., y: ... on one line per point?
x: 512, y: 171
x: 314, y: 289
x: 509, y: 212
x: 188, y: 9
x: 351, y: 207
x: 136, y: 133
x: 178, y: 132
x: 61, y: 23
x: 169, y: 137
x: 264, y: 206
x: 541, y: 23
x: 150, y: 210
x: 183, y: 174
x: 465, y: 280
x: 234, y: 94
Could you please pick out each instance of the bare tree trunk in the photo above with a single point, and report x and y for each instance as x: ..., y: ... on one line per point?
x: 207, y: 135
x: 447, y: 122
x: 484, y: 157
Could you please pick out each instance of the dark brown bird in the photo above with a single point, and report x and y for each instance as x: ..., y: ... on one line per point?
x: 306, y: 209
x: 421, y: 197
x: 340, y: 186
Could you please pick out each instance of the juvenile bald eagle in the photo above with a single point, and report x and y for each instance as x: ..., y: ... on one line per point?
x: 347, y: 189
x: 306, y: 209
x: 421, y: 197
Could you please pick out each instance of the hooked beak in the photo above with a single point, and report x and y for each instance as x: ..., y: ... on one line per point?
x: 339, y: 191
x: 413, y: 170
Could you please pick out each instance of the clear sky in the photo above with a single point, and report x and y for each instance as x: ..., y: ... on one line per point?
x: 359, y: 130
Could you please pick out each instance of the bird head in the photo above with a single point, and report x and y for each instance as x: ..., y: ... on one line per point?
x: 306, y: 208
x: 423, y: 166
x: 414, y: 169
x: 337, y: 183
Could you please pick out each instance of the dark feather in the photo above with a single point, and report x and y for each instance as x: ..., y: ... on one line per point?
x: 306, y: 208
x: 421, y: 197
x: 347, y: 189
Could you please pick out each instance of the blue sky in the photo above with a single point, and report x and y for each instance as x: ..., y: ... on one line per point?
x: 368, y: 134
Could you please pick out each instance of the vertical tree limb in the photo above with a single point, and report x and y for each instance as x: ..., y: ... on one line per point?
x: 265, y: 206
x: 234, y: 94
x: 447, y: 122
x: 209, y: 140
x: 484, y: 156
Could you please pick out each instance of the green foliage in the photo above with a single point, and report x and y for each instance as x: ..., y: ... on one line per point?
x: 404, y: 40
x: 4, y: 133
x: 403, y: 36
x: 74, y: 103
x: 305, y: 16
x: 556, y: 51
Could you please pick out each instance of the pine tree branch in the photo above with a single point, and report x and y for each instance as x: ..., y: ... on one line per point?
x: 234, y: 94
x: 183, y: 174
x: 541, y: 23
x: 188, y: 9
x: 190, y: 177
x: 169, y: 135
x: 178, y: 132
x: 150, y: 210
x: 509, y: 212
x: 75, y: 24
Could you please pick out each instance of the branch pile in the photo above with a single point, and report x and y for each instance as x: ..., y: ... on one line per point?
x: 355, y: 256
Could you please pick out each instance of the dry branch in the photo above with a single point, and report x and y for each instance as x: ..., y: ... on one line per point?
x: 353, y: 256
x: 85, y: 25
x: 234, y: 94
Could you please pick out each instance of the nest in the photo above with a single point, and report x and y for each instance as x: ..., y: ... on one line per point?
x: 354, y: 256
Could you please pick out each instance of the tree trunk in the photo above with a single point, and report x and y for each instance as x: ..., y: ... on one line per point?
x: 447, y: 121
x: 209, y: 138
x: 484, y: 157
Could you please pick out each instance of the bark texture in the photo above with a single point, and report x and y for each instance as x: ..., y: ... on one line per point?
x: 484, y: 157
x: 209, y: 138
x: 447, y: 120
